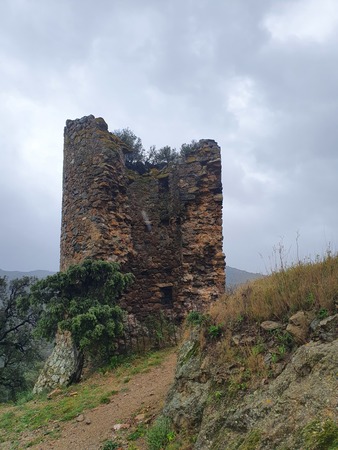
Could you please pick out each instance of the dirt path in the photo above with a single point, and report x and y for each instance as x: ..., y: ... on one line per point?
x: 136, y: 403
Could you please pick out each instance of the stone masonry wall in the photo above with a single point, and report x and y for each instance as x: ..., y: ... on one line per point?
x: 165, y: 226
x: 95, y: 219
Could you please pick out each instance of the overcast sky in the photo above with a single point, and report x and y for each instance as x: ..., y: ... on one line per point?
x: 260, y: 77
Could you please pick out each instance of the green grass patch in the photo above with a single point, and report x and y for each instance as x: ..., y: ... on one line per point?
x: 321, y: 435
x: 30, y: 415
x: 137, y: 433
x: 160, y: 434
x: 110, y: 445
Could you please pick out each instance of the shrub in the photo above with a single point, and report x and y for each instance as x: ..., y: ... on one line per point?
x: 110, y: 445
x: 196, y: 318
x: 160, y: 434
x: 83, y: 301
x: 215, y: 331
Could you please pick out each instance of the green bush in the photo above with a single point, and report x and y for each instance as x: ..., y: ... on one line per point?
x: 160, y: 434
x: 215, y: 331
x: 110, y: 445
x: 83, y: 301
x: 196, y: 318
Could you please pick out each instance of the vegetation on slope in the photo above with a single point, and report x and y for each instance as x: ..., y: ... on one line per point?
x: 32, y: 418
x: 246, y: 345
x: 235, y: 320
x: 243, y: 354
x: 83, y: 301
x: 20, y: 352
x: 304, y: 286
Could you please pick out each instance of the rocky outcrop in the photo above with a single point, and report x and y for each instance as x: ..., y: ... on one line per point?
x: 297, y: 409
x: 63, y: 366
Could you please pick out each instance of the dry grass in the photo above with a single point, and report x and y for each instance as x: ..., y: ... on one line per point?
x: 305, y: 286
x: 245, y: 352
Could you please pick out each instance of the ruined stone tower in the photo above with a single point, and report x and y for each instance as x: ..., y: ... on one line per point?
x: 164, y: 226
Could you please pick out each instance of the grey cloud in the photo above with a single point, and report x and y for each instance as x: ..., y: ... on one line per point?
x: 171, y: 71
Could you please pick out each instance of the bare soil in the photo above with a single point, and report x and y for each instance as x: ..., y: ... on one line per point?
x: 134, y: 407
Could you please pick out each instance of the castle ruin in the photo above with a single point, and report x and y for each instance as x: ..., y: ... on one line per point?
x: 164, y: 225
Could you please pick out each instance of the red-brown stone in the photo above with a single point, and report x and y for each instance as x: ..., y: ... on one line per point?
x: 164, y: 226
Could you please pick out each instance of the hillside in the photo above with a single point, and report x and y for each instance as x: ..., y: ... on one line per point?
x: 12, y: 274
x: 106, y: 408
x: 234, y: 277
x: 260, y: 372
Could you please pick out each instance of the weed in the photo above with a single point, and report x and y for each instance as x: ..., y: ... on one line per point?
x: 235, y: 385
x: 274, y: 358
x: 246, y: 375
x: 310, y: 300
x: 116, y: 361
x: 321, y: 435
x: 110, y: 445
x: 284, y: 338
x: 251, y: 441
x: 218, y: 395
x: 214, y: 331
x: 282, y: 351
x: 258, y: 349
x: 322, y: 313
x: 132, y: 446
x: 159, y: 434
x: 139, y: 432
x: 105, y: 399
x: 171, y: 436
x: 239, y: 319
x: 196, y: 318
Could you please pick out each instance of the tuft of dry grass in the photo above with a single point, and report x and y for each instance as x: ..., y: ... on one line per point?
x: 311, y: 286
x: 244, y: 353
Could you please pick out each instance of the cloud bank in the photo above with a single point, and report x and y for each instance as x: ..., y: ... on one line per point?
x: 258, y: 77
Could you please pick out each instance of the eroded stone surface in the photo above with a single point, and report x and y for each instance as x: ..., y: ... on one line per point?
x: 61, y: 365
x: 298, y: 326
x: 272, y: 416
x: 164, y: 226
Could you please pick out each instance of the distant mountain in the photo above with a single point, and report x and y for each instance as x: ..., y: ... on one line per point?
x: 234, y: 277
x: 12, y: 274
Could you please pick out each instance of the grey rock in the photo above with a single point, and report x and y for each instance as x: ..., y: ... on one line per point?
x: 304, y: 390
x: 270, y: 325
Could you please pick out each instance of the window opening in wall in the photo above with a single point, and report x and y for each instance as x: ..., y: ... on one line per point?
x: 167, y: 296
x: 165, y: 221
